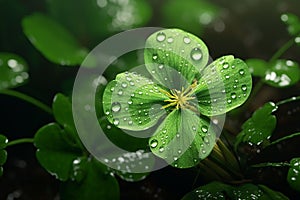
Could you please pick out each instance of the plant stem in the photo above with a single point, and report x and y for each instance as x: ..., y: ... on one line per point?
x: 288, y: 100
x: 284, y: 138
x: 28, y: 99
x: 283, y: 49
x: 281, y: 164
x: 20, y: 141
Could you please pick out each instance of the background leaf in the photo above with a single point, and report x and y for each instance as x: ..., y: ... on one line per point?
x: 259, y: 127
x: 53, y: 40
x: 13, y: 71
x: 99, y: 19
x: 97, y: 184
x: 293, y: 176
x: 200, y: 13
x: 293, y: 23
x: 257, y: 67
x: 217, y: 190
x: 282, y: 73
x: 54, y: 151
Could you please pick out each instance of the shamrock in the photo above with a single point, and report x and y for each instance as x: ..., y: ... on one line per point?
x: 178, y: 96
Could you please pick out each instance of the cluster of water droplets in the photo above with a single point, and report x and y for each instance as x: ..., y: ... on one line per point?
x: 128, y: 106
x: 295, y: 171
x: 195, y: 52
x: 247, y: 195
x: 131, y: 162
x: 161, y: 143
x: 204, y: 194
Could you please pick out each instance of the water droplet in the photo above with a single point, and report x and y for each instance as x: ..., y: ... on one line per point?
x: 128, y: 78
x: 120, y: 92
x: 130, y: 122
x: 229, y: 101
x: 244, y: 87
x: 175, y: 158
x: 124, y: 85
x: 116, y: 122
x: 204, y: 129
x: 154, y: 57
x: 108, y: 126
x: 153, y: 72
x: 206, y: 140
x: 107, y: 113
x: 140, y: 92
x: 161, y: 149
x: 203, y: 151
x: 116, y: 107
x: 160, y: 66
x: 177, y: 135
x: 225, y: 65
x: 112, y: 89
x: 153, y: 143
x: 233, y: 95
x: 160, y: 37
x: 186, y: 40
x: 129, y: 102
x: 194, y: 128
x: 227, y: 76
x: 170, y: 40
x: 131, y: 83
x: 242, y: 72
x: 196, y: 54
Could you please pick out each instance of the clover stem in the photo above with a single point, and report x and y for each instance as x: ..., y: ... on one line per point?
x: 20, y: 141
x: 28, y: 99
x: 283, y: 49
x: 284, y: 138
x: 288, y: 100
x: 217, y: 169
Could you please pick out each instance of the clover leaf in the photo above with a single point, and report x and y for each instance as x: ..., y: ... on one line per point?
x: 178, y: 97
x: 259, y: 128
x: 293, y: 23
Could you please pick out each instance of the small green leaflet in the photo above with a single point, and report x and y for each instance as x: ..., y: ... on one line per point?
x: 259, y: 127
x: 293, y: 23
x: 293, y: 176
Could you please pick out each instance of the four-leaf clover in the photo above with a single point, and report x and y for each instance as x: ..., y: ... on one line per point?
x: 177, y: 96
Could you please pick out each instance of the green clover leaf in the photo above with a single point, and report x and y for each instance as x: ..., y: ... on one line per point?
x: 178, y: 96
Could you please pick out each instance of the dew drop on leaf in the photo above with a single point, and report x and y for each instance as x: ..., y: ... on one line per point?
x: 160, y: 37
x: 242, y: 72
x: 204, y: 129
x: 160, y: 66
x: 244, y: 87
x: 116, y: 122
x: 196, y: 54
x: 124, y: 85
x: 186, y: 40
x: 153, y: 143
x: 233, y: 95
x: 226, y: 65
x: 116, y: 107
x: 154, y: 57
x: 170, y: 40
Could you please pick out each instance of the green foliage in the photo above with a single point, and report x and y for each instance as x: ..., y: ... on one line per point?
x: 53, y: 40
x: 293, y: 23
x: 279, y: 73
x: 99, y: 19
x: 259, y: 128
x: 293, y: 176
x: 13, y: 71
x: 200, y: 13
x: 3, y: 153
x: 217, y: 190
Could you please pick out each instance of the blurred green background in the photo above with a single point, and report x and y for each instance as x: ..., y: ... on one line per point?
x: 244, y: 28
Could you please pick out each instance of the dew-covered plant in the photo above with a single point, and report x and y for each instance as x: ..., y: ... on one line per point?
x: 179, y: 95
x: 183, y: 92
